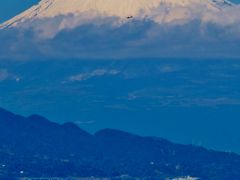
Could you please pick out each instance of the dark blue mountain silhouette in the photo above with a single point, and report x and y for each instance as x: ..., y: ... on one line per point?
x: 36, y: 147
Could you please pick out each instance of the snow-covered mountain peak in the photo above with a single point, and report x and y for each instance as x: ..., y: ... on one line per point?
x: 157, y: 10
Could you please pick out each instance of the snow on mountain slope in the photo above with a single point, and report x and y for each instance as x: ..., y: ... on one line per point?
x: 161, y: 11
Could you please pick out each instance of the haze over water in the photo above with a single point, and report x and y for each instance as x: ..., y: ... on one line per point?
x: 185, y: 100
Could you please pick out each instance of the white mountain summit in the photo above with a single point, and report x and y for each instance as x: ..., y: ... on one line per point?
x: 160, y: 11
x: 123, y: 29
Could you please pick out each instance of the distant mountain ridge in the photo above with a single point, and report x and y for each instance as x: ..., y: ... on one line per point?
x: 36, y: 147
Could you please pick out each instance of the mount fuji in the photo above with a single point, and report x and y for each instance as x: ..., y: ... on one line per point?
x: 160, y: 11
x: 111, y: 28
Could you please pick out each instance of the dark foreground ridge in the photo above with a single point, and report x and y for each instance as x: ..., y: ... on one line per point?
x: 36, y: 147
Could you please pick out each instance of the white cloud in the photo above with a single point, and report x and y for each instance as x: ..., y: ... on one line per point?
x: 5, y: 75
x: 168, y: 69
x: 217, y: 34
x: 96, y: 73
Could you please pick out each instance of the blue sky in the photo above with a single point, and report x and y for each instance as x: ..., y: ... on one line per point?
x: 10, y: 8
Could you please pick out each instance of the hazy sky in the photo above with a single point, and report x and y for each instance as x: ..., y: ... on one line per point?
x: 10, y: 8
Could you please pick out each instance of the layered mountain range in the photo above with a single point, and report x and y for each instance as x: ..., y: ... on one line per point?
x: 35, y: 147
